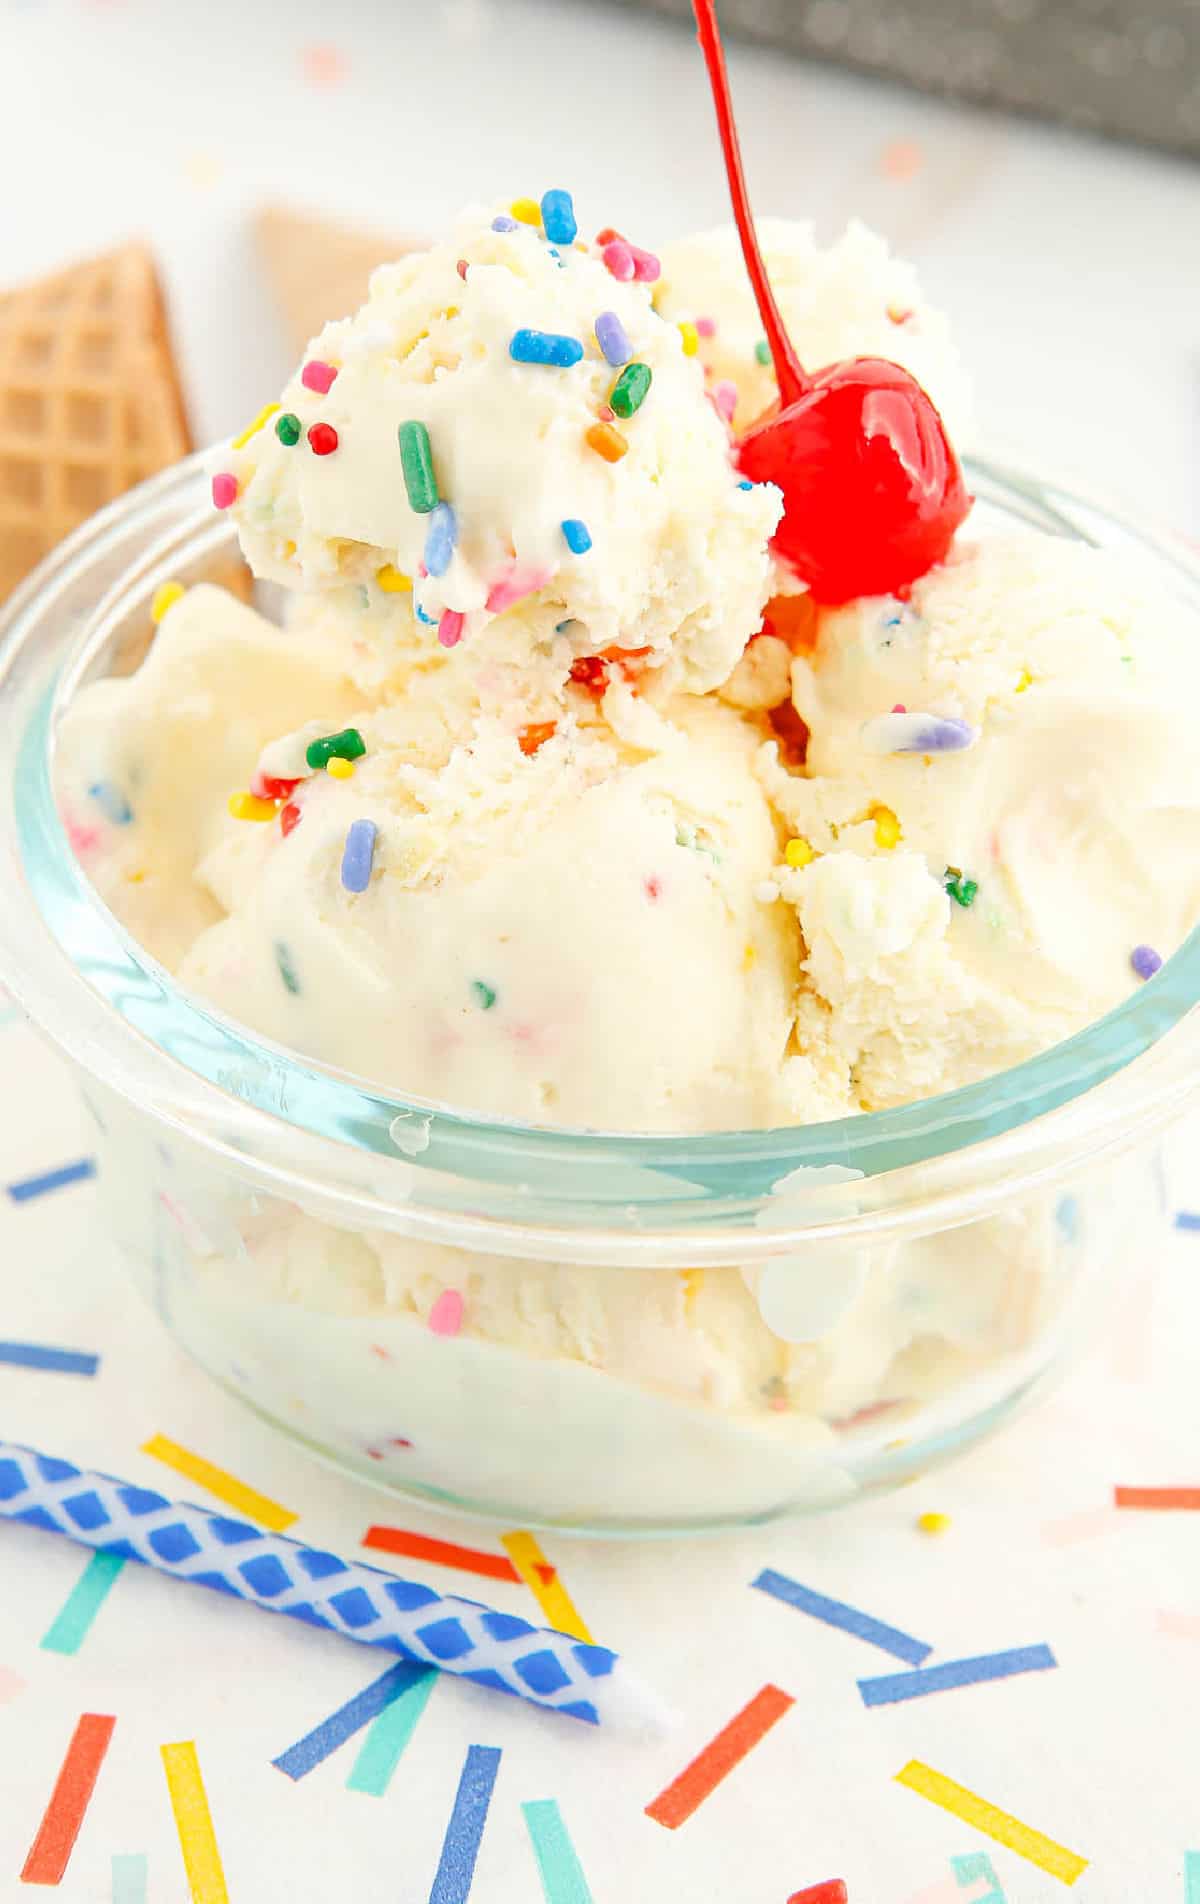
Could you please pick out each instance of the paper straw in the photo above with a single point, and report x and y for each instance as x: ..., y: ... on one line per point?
x: 493, y: 1649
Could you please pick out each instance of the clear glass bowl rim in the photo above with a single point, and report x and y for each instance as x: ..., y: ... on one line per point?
x: 290, y: 1123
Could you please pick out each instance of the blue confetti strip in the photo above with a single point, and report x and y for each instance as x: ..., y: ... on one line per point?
x: 316, y: 1746
x: 460, y: 1848
x: 974, y: 1867
x: 892, y: 1688
x: 381, y: 1750
x: 558, y: 217
x: 30, y: 1187
x: 130, y: 1877
x: 59, y: 1361
x: 561, y: 1873
x: 544, y: 347
x: 576, y: 535
x: 847, y: 1618
x: 73, y: 1621
x: 1191, y: 1877
x: 359, y: 856
x: 440, y: 538
x: 1187, y: 1219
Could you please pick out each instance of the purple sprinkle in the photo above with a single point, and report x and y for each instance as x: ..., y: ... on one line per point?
x: 1145, y: 960
x: 612, y: 338
x: 504, y: 223
x: 917, y: 733
x: 359, y: 856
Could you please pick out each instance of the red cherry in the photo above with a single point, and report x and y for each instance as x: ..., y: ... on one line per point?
x: 872, y: 489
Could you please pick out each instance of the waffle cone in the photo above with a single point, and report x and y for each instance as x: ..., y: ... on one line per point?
x: 318, y: 267
x: 89, y: 400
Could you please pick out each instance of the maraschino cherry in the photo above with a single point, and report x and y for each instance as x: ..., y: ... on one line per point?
x: 872, y: 489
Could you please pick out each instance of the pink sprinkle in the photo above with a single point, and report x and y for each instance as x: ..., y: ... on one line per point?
x: 513, y: 584
x: 706, y: 326
x: 620, y: 260
x: 646, y: 267
x: 724, y: 396
x: 461, y: 268
x: 653, y: 887
x: 422, y: 571
x: 899, y: 708
x: 446, y: 1316
x: 84, y: 839
x: 450, y: 628
x: 224, y: 490
x: 318, y: 376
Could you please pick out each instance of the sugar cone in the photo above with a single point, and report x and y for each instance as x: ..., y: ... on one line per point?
x: 319, y: 267
x: 89, y: 400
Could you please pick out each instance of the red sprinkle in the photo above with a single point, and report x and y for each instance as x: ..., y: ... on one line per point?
x: 899, y: 708
x: 323, y: 439
x: 606, y: 413
x: 224, y: 491
x: 646, y: 267
x: 653, y: 886
x: 268, y: 787
x: 609, y: 237
x: 289, y: 817
x: 461, y: 268
x: 318, y: 376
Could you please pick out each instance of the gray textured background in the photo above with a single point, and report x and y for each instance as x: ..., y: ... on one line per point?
x: 1112, y: 66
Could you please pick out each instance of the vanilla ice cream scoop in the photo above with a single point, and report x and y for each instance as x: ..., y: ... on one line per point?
x: 504, y: 421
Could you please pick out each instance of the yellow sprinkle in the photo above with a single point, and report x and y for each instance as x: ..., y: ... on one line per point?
x: 799, y: 852
x: 933, y: 1523
x: 339, y: 769
x: 136, y: 877
x: 289, y: 550
x: 248, y: 806
x: 392, y: 580
x: 527, y: 210
x: 1026, y: 681
x: 749, y: 955
x: 692, y: 1280
x: 164, y: 598
x: 887, y: 827
x: 691, y: 339
x: 252, y: 429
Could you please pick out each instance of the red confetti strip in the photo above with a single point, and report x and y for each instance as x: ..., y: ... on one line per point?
x: 833, y: 1891
x: 1158, y: 1497
x: 674, y: 1806
x: 51, y: 1849
x: 445, y: 1553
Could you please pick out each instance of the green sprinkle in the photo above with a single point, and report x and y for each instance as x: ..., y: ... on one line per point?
x: 629, y: 392
x: 287, y: 970
x: 287, y: 429
x: 348, y: 745
x: 416, y: 460
x: 762, y: 350
x: 961, y: 890
x: 483, y: 994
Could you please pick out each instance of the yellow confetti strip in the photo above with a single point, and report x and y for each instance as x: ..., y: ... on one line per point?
x: 393, y: 581
x: 339, y: 769
x: 887, y: 827
x: 252, y: 429
x: 248, y: 806
x: 165, y: 598
x: 691, y: 339
x: 193, y: 1822
x: 1052, y: 1858
x: 544, y: 1584
x: 799, y: 852
x: 526, y: 210
x: 256, y: 1507
x: 933, y: 1523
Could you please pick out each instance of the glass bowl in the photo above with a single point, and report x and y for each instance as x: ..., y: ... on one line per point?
x: 621, y: 1364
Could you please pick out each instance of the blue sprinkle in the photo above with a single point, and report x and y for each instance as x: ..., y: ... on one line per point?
x: 504, y: 223
x: 545, y: 347
x: 111, y: 802
x: 558, y: 217
x: 440, y: 538
x: 917, y: 733
x: 430, y: 620
x: 359, y: 856
x: 745, y: 485
x: 575, y: 535
x: 613, y: 339
x: 1145, y: 960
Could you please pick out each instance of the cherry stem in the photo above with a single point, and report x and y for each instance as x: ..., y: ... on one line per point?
x: 789, y: 372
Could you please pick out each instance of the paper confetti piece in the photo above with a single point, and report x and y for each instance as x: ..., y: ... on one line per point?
x: 1191, y: 1877
x: 544, y: 1584
x: 256, y: 1507
x: 389, y: 1733
x: 51, y: 1849
x: 193, y: 1822
x: 30, y: 1187
x: 445, y: 1553
x: 130, y: 1877
x: 460, y: 1847
x: 847, y: 1618
x: 1187, y: 1219
x: 1157, y: 1497
x: 35, y: 1355
x: 976, y: 1868
x: 316, y: 1746
x: 72, y: 1623
x: 1050, y: 1857
x: 833, y: 1891
x: 561, y: 1873
x: 700, y: 1779
x: 891, y: 1688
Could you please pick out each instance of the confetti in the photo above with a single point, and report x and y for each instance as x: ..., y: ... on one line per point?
x: 1191, y: 1877
x: 239, y: 443
x: 799, y: 852
x: 559, y: 1868
x: 484, y: 995
x: 762, y: 351
x: 166, y: 597
x: 1157, y: 1497
x: 224, y: 490
x: 226, y: 1487
x: 630, y: 390
x: 416, y: 462
x: 1048, y: 1856
x: 287, y: 971
x: 27, y: 1188
x: 690, y: 337
x: 543, y: 1582
x: 73, y: 1621
x: 51, y: 1850
x: 976, y: 1868
x: 287, y: 429
x: 248, y: 806
x: 618, y: 259
x: 674, y: 1806
x: 346, y: 744
x: 315, y: 1747
x: 933, y: 1523
x: 847, y: 1618
x: 322, y: 439
x: 526, y: 211
x: 1145, y: 961
x: 319, y: 376
x: 613, y: 339
x: 545, y: 347
x: 607, y: 442
x: 558, y: 217
x: 576, y: 535
x: 130, y: 1877
x: 358, y: 855
x: 444, y: 1553
x: 504, y: 223
x: 450, y: 627
x: 387, y: 1737
x: 339, y: 769
x: 1187, y: 1219
x: 392, y: 580
x: 460, y: 1847
x: 446, y: 1315
x: 440, y: 538
x: 833, y: 1891
x: 917, y: 733
x: 193, y: 1822
x: 891, y: 1688
x: 35, y: 1355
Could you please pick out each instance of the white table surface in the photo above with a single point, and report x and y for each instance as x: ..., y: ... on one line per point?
x: 1073, y: 269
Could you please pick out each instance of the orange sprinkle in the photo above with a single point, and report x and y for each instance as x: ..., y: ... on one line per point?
x: 535, y: 735
x: 607, y: 442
